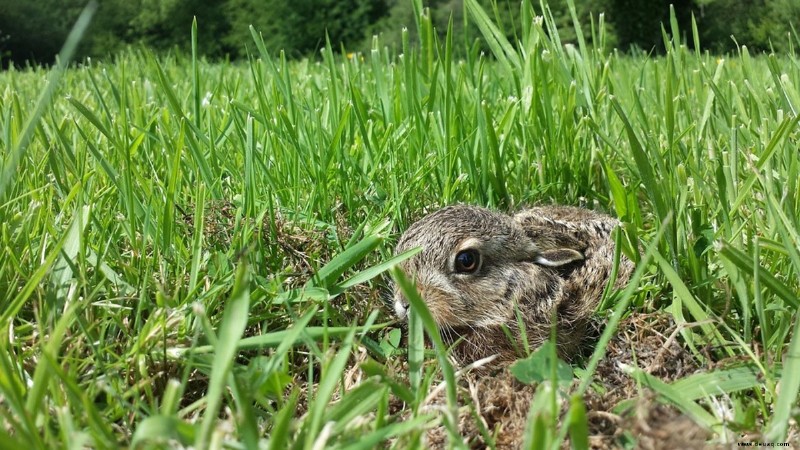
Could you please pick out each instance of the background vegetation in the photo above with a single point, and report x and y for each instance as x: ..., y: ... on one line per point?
x: 34, y: 30
x: 190, y: 249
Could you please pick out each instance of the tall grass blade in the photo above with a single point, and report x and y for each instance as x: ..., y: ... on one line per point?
x: 233, y: 323
x: 331, y: 271
x: 652, y: 186
x: 745, y: 263
x: 620, y: 308
x: 497, y: 41
x: 64, y: 59
x: 330, y: 379
x: 419, y: 308
x: 786, y: 403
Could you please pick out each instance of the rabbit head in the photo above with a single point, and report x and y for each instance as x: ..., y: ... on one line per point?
x: 477, y: 264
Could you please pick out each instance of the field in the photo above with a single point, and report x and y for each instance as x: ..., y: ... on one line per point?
x: 198, y: 254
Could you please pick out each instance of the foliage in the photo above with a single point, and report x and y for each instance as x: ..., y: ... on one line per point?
x: 763, y: 25
x: 33, y: 30
x: 301, y: 27
x: 504, y: 13
x: 638, y: 22
x: 30, y: 33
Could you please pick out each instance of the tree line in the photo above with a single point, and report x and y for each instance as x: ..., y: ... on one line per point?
x: 33, y: 31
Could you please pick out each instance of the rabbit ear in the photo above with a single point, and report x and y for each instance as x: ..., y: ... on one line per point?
x: 554, y: 247
x: 558, y: 257
x: 553, y: 236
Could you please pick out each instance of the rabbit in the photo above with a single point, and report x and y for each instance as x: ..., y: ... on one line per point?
x: 482, y: 273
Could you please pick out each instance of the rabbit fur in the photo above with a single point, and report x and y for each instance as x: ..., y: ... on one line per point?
x: 482, y: 273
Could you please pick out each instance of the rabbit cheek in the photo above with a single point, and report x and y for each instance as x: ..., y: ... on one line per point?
x: 496, y: 314
x: 439, y: 304
x: 438, y: 294
x: 482, y: 301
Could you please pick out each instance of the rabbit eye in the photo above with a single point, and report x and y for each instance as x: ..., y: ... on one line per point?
x: 467, y: 261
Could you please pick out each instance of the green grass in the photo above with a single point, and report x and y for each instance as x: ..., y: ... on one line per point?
x: 195, y: 252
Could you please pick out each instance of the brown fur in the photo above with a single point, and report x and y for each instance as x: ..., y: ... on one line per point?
x: 472, y: 309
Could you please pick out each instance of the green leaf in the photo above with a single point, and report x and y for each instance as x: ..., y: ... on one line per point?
x: 538, y: 367
x: 373, y: 369
x: 653, y: 188
x: 160, y: 429
x: 495, y: 38
x: 276, y: 338
x: 374, y: 439
x: 420, y: 309
x: 675, y: 397
x: 327, y: 384
x: 9, y: 442
x: 578, y: 424
x: 32, y: 284
x: 681, y: 291
x: 279, y: 436
x: 358, y: 401
x: 61, y: 275
x: 92, y: 117
x: 618, y: 193
x: 701, y: 385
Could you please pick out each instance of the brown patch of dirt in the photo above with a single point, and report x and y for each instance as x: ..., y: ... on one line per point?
x: 501, y: 405
x: 301, y: 243
x: 648, y: 341
x: 661, y: 427
x: 219, y: 219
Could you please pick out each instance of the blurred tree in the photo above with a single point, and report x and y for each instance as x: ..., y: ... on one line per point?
x: 299, y: 27
x: 111, y: 28
x: 773, y: 30
x: 35, y: 30
x: 164, y: 24
x: 505, y: 13
x: 638, y: 22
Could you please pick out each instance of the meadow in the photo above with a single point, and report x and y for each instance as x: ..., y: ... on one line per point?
x: 198, y: 254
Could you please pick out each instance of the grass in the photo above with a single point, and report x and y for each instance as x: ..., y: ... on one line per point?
x: 194, y: 253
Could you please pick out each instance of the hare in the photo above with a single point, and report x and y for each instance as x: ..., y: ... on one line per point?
x: 493, y: 280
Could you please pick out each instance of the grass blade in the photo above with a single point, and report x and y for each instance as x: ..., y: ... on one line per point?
x: 675, y: 397
x: 501, y: 48
x: 233, y: 323
x: 277, y: 338
x: 578, y: 424
x: 329, y: 273
x: 327, y: 385
x: 790, y: 386
x: 162, y: 429
x: 744, y: 262
x: 652, y: 187
x: 64, y: 58
x: 419, y: 308
x: 374, y: 271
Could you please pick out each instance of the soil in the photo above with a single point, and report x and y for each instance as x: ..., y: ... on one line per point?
x: 646, y: 340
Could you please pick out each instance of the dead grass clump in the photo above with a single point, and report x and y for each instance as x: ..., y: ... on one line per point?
x: 647, y: 341
x: 501, y: 403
